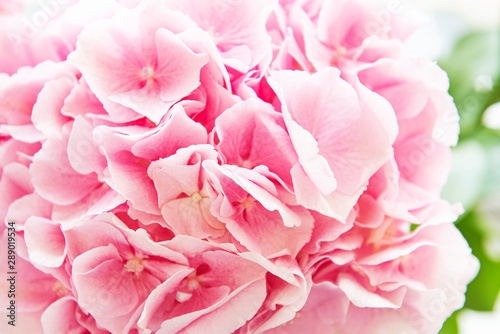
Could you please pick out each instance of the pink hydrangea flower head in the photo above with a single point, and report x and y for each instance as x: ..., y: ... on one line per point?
x: 227, y: 166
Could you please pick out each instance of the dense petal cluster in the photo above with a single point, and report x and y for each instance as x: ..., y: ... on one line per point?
x: 226, y: 166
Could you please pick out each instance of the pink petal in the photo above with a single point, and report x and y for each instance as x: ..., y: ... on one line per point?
x: 251, y: 133
x: 83, y: 151
x: 237, y: 28
x: 178, y: 131
x: 70, y: 186
x: 46, y: 115
x: 45, y: 241
x: 361, y: 297
x: 147, y: 80
x: 102, y: 288
x: 60, y: 317
x: 232, y: 314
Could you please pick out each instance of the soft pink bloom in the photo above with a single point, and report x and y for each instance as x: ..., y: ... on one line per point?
x: 332, y: 128
x: 227, y: 166
x: 34, y: 31
x: 288, y: 290
x: 252, y: 134
x: 134, y: 81
x: 248, y: 203
x: 218, y: 293
x: 115, y: 269
x: 427, y: 120
x: 130, y: 150
x: 236, y: 27
x: 185, y: 202
x: 209, y: 100
x: 314, y: 35
x: 35, y: 291
x: 382, y: 274
x: 70, y: 186
x: 19, y: 95
x: 14, y: 184
x: 65, y: 316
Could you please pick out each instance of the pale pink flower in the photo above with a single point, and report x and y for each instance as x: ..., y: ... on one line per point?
x: 252, y: 134
x: 115, y: 269
x: 227, y: 166
x: 185, y: 203
x: 375, y: 272
x: 427, y: 120
x: 332, y: 127
x: 219, y: 292
x: 134, y: 81
x: 236, y: 27
x: 249, y: 205
x: 35, y: 291
x: 65, y: 316
x: 33, y: 31
x: 130, y: 150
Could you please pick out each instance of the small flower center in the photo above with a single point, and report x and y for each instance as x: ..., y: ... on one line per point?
x: 60, y: 289
x: 134, y: 265
x: 339, y: 54
x: 341, y: 51
x: 248, y: 203
x: 182, y: 297
x: 196, y: 197
x: 215, y: 35
x: 148, y: 74
x: 193, y: 282
x: 246, y: 164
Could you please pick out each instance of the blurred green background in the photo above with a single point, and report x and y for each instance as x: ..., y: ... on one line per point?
x: 473, y: 65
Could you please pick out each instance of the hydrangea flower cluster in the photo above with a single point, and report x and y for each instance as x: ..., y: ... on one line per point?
x: 226, y: 166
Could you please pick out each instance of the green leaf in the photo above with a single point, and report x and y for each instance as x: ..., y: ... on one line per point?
x: 451, y: 325
x: 482, y: 291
